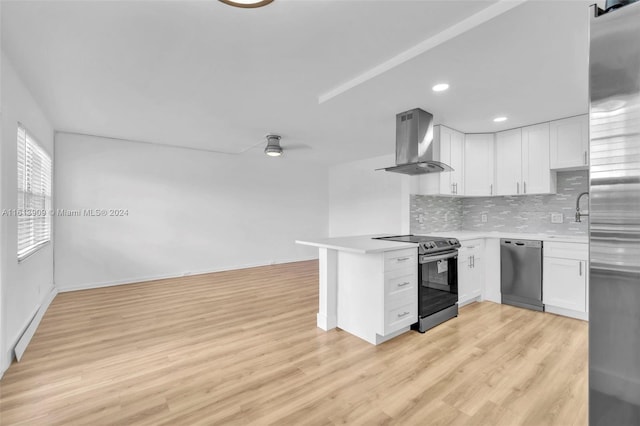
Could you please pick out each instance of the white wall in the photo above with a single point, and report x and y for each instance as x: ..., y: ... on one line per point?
x: 365, y: 201
x: 189, y: 211
x: 24, y: 285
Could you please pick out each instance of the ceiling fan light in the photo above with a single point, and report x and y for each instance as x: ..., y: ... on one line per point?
x: 247, y: 3
x: 273, y: 151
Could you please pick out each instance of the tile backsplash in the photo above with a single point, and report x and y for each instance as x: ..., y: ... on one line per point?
x: 433, y: 214
x: 525, y: 213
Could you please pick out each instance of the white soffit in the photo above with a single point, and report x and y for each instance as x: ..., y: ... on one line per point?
x: 453, y: 31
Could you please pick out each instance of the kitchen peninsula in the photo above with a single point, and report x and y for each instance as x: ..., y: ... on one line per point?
x: 367, y: 287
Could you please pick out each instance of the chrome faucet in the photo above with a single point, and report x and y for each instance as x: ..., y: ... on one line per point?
x: 578, y: 214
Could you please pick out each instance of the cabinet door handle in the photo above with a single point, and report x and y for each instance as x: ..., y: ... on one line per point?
x: 404, y: 314
x: 452, y: 188
x: 525, y: 187
x: 402, y: 259
x: 491, y: 189
x: 585, y: 158
x: 580, y: 268
x: 473, y: 261
x: 517, y: 187
x: 404, y: 283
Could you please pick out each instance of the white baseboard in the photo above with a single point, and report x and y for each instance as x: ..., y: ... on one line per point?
x: 24, y: 340
x: 567, y: 312
x: 381, y: 339
x: 134, y: 280
x: 326, y: 323
x: 470, y: 301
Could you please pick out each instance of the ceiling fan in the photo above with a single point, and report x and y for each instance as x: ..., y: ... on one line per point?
x: 274, y: 148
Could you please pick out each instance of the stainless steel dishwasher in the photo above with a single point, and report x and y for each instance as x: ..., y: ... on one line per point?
x: 521, y: 273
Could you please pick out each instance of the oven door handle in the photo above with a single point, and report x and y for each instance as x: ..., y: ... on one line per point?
x: 429, y: 259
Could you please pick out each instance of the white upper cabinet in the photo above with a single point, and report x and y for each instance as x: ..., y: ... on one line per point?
x: 569, y: 148
x: 513, y: 162
x: 522, y: 161
x: 448, y: 145
x: 451, y: 153
x: 479, y: 164
x: 536, y: 174
x: 508, y: 162
x: 457, y: 162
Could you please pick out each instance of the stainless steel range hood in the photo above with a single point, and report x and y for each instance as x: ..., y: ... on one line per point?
x: 416, y: 152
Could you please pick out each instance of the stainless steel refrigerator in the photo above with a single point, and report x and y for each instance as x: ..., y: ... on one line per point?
x: 614, y: 231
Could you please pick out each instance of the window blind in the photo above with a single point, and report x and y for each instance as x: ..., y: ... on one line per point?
x: 34, y: 194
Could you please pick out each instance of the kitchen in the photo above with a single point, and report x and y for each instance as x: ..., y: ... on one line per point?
x: 291, y: 211
x: 485, y: 262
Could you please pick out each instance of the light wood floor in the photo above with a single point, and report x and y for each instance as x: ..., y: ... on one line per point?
x: 242, y: 347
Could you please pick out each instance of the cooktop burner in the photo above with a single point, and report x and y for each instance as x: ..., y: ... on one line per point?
x: 426, y: 244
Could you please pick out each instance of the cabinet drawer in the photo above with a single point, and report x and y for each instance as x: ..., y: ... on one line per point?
x: 399, y: 259
x: 472, y: 244
x: 401, y: 316
x: 401, y: 282
x: 576, y: 251
x: 471, y: 248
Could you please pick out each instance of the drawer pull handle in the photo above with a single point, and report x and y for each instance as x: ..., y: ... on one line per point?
x: 404, y: 283
x: 402, y: 259
x: 404, y: 314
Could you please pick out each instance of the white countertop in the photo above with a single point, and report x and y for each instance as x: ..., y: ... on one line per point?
x: 358, y: 244
x: 367, y: 244
x: 470, y: 235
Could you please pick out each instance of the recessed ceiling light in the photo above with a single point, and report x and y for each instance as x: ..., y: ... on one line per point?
x: 247, y: 3
x: 441, y: 87
x: 500, y: 119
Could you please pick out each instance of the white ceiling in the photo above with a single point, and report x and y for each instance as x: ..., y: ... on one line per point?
x: 205, y: 75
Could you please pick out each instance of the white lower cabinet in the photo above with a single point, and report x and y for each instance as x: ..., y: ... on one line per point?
x: 565, y: 279
x: 400, y: 298
x: 377, y: 293
x: 470, y: 271
x: 491, y: 263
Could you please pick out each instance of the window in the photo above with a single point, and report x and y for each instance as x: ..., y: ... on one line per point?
x: 34, y: 194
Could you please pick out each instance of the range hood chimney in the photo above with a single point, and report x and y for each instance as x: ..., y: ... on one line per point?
x: 415, y: 145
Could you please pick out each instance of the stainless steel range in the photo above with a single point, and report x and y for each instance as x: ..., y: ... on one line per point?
x: 437, y: 276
